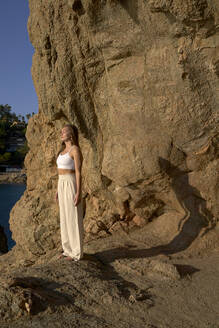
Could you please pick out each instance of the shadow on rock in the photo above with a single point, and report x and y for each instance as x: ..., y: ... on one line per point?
x: 196, y: 217
x: 30, y: 295
x: 185, y: 270
x: 125, y: 289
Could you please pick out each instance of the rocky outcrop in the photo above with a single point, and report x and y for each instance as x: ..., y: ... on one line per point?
x: 139, y: 79
x: 3, y: 241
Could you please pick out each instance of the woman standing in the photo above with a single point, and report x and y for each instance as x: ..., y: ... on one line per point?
x: 68, y: 195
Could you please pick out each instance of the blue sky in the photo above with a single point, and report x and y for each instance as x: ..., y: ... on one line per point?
x: 16, y: 85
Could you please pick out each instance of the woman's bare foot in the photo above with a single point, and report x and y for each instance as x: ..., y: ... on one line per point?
x: 71, y: 258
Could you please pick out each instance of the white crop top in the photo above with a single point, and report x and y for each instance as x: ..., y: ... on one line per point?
x: 65, y: 161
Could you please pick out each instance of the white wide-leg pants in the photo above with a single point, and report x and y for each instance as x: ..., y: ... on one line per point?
x: 71, y: 217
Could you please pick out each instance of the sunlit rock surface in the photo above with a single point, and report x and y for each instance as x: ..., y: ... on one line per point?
x: 140, y: 81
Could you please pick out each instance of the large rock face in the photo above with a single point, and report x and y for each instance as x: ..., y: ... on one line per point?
x: 139, y: 79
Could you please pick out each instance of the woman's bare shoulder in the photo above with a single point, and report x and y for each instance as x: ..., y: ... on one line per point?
x: 76, y: 151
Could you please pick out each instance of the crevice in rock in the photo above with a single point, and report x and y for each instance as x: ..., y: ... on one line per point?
x: 136, y: 184
x: 128, y: 215
x: 47, y: 43
x: 216, y: 67
x: 78, y: 7
x: 106, y: 181
x: 60, y: 114
x: 3, y: 241
x: 54, y: 56
x: 132, y: 9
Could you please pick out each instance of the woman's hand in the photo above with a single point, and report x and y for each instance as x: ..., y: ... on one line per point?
x: 56, y: 196
x: 77, y: 199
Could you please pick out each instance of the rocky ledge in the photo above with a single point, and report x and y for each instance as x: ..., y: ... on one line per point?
x: 124, y: 280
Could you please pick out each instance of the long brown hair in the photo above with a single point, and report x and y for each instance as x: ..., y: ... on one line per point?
x: 73, y: 135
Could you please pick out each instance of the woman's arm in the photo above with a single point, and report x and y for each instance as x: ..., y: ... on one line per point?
x: 78, y: 159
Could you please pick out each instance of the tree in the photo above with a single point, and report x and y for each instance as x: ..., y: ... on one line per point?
x: 28, y: 116
x: 5, y: 157
x: 12, y: 126
x: 5, y: 111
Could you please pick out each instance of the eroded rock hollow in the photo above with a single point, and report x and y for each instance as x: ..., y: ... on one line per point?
x: 139, y: 79
x: 3, y: 241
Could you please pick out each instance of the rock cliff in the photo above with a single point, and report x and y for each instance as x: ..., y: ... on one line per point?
x: 139, y: 79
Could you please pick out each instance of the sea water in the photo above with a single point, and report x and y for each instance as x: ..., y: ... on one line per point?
x: 9, y: 195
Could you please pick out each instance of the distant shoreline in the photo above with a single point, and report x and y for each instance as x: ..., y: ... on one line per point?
x: 13, y: 177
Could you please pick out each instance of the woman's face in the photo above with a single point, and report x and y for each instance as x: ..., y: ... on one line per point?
x: 64, y: 134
